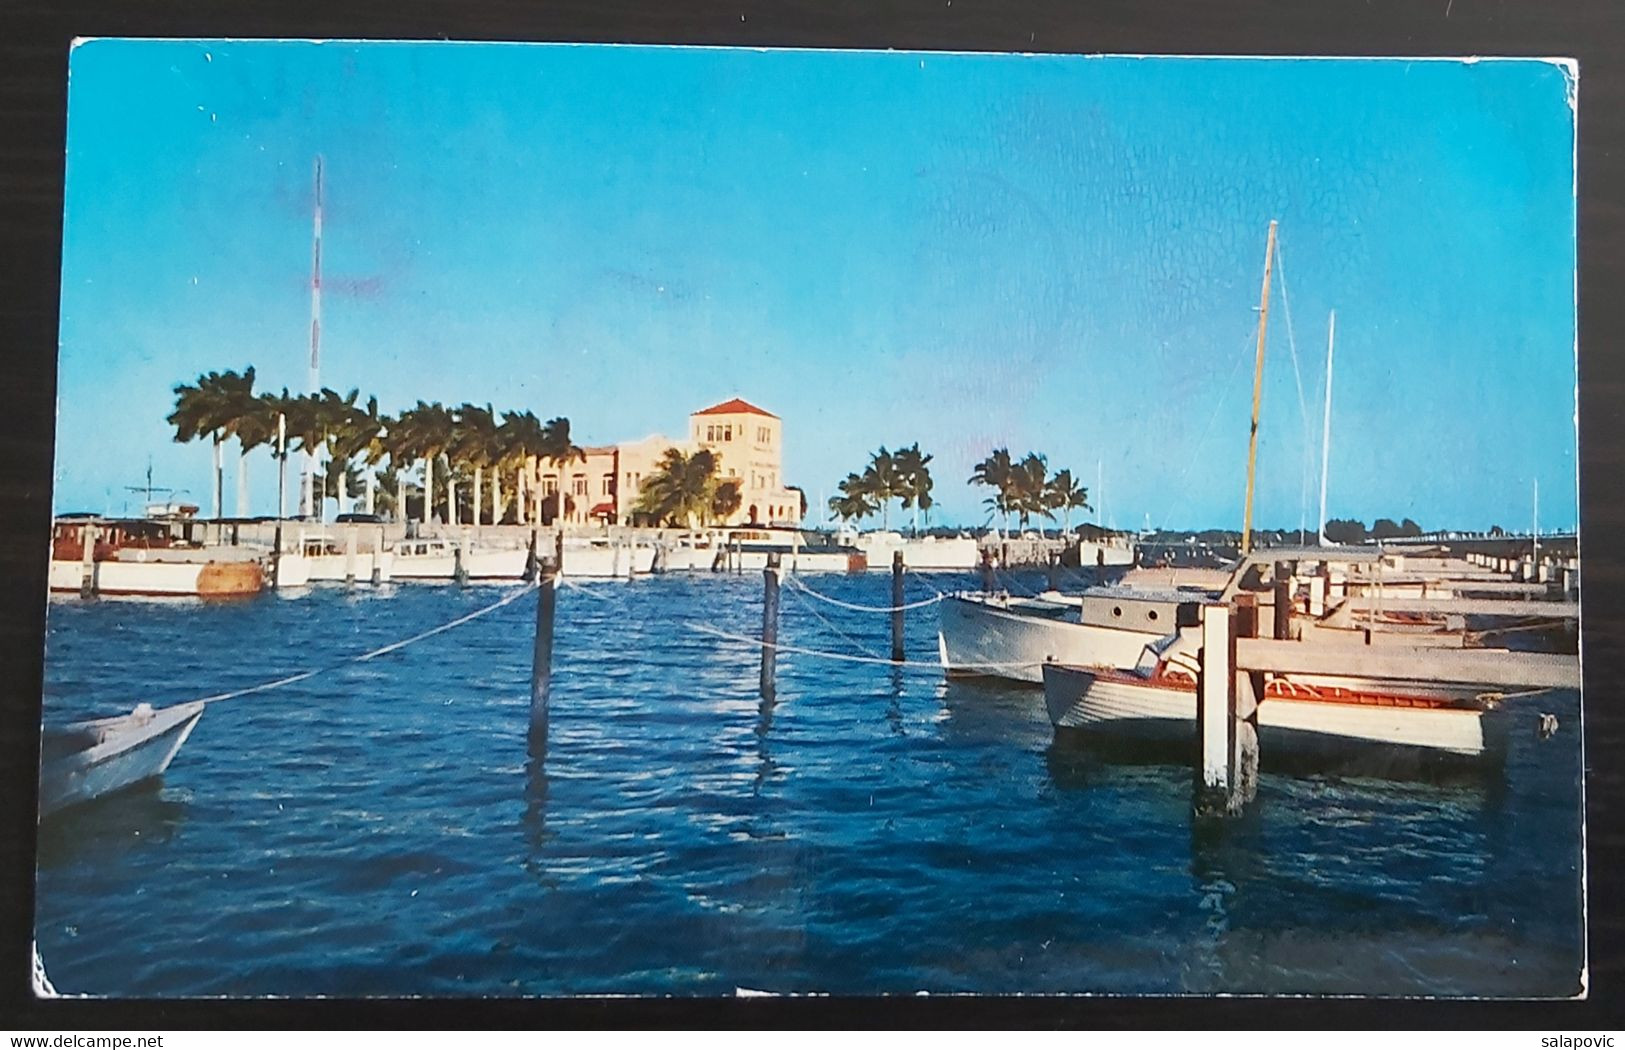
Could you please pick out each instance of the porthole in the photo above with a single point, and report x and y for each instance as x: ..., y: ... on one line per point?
x: 1117, y: 610
x: 1152, y: 615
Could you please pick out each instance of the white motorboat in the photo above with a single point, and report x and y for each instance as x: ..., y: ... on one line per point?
x: 332, y: 559
x: 920, y: 553
x: 1014, y: 637
x: 441, y: 559
x: 1159, y: 705
x: 607, y: 559
x: 142, y: 557
x: 87, y: 760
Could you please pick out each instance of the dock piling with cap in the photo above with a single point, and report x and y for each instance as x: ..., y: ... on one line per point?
x: 541, y: 658
x: 897, y: 606
x: 770, y: 625
x: 87, y: 579
x: 1226, y: 773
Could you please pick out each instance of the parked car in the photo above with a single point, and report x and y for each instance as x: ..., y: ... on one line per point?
x: 359, y: 519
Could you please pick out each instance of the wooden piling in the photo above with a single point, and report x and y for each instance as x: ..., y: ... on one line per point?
x: 1282, y: 581
x: 541, y: 659
x: 897, y: 607
x: 987, y: 571
x: 1054, y: 570
x: 87, y: 579
x: 377, y: 574
x: 459, y: 570
x: 530, y: 558
x: 276, y: 555
x: 1226, y: 770
x: 770, y: 625
x: 349, y: 556
x: 1317, y: 595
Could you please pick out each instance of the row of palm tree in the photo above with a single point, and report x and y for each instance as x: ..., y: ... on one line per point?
x: 1026, y: 489
x: 685, y: 490
x: 903, y: 475
x: 354, y: 440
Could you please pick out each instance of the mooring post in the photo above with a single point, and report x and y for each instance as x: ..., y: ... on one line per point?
x: 459, y: 570
x: 897, y: 606
x: 530, y: 559
x: 1317, y: 594
x: 558, y: 550
x: 377, y: 574
x: 770, y: 624
x: 987, y: 571
x: 541, y: 659
x: 87, y: 578
x: 1054, y: 570
x: 276, y: 555
x: 1227, y: 737
x: 349, y: 556
x: 1283, y: 600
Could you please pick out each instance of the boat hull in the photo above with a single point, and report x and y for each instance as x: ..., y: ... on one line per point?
x: 608, y: 562
x: 121, y: 753
x: 162, y: 579
x: 977, y: 636
x: 478, y: 564
x: 1111, y: 704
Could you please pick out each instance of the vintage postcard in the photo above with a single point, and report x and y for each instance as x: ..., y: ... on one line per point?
x: 541, y: 520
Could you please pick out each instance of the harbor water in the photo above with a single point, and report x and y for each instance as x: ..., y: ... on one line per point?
x: 383, y: 830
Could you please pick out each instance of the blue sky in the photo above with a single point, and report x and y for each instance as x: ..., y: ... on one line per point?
x: 1052, y: 253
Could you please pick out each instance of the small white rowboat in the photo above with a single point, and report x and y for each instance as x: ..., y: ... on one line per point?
x: 87, y: 760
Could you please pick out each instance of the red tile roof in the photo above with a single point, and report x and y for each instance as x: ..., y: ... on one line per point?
x: 734, y: 407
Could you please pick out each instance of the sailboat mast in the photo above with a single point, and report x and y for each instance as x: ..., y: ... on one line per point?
x: 315, y: 384
x: 1326, y: 423
x: 1258, y: 391
x: 1536, y: 531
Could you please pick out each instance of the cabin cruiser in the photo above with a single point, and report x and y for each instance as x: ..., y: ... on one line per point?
x: 148, y: 557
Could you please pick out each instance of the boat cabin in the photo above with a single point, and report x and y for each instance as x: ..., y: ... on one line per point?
x: 68, y: 544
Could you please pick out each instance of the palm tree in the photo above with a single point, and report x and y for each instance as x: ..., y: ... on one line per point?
x: 367, y: 440
x: 522, y: 438
x: 343, y: 427
x: 476, y: 438
x: 404, y: 447
x: 681, y: 489
x: 726, y: 500
x: 306, y: 428
x: 1027, y: 483
x: 884, y: 483
x: 430, y: 428
x: 210, y: 408
x: 1063, y: 493
x: 256, y: 426
x: 856, y: 500
x: 996, y: 472
x: 914, y: 481
x: 560, y: 451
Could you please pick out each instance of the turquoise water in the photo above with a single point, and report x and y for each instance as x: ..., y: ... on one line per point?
x: 383, y: 830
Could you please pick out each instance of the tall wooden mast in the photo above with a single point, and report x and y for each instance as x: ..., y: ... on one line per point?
x: 1258, y: 390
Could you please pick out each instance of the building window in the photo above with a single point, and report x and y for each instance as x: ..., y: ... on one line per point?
x: 764, y: 435
x: 609, y: 485
x: 579, y: 484
x: 728, y: 432
x: 710, y: 433
x: 550, y: 484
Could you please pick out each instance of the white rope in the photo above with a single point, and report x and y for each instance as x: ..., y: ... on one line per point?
x: 802, y: 587
x: 278, y: 683
x: 705, y: 628
x: 859, y: 646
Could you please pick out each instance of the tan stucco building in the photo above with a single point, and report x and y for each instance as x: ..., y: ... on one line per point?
x: 749, y: 445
